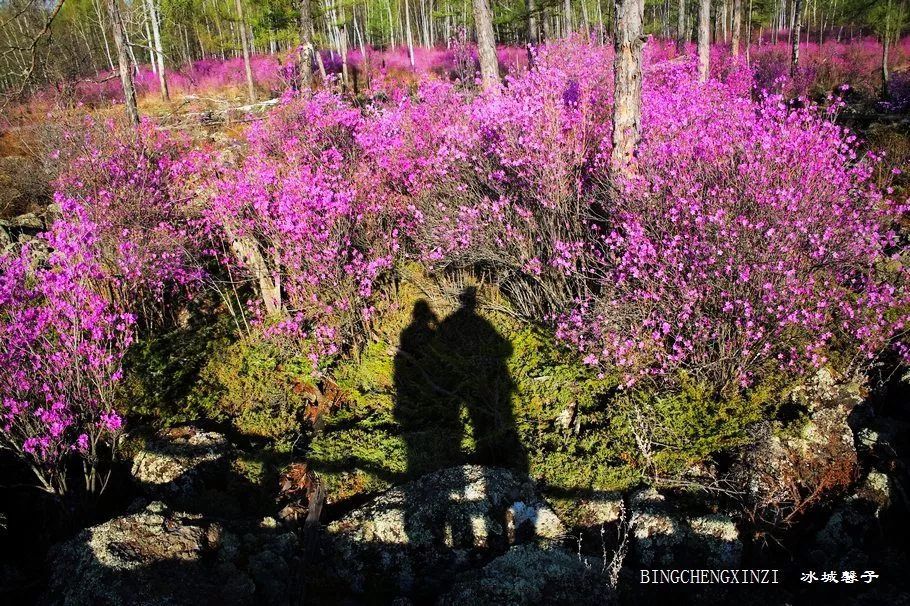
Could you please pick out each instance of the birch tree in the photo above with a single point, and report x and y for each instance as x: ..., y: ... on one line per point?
x: 306, y: 45
x: 682, y: 35
x: 158, y: 51
x: 123, y: 61
x: 244, y: 42
x: 486, y: 44
x: 628, y: 43
x: 704, y: 39
x: 737, y: 26
x: 794, y: 39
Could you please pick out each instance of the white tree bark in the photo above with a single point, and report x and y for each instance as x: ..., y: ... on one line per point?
x: 245, y: 43
x: 627, y: 96
x: 123, y: 60
x: 159, y: 50
x: 797, y: 24
x: 682, y: 34
x: 408, y: 34
x: 306, y: 45
x: 737, y: 26
x: 486, y: 44
x: 704, y: 39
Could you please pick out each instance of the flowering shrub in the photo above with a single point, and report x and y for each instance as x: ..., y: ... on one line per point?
x: 824, y: 68
x: 305, y: 224
x: 517, y: 204
x: 123, y: 201
x: 119, y: 251
x: 749, y: 239
x: 60, y: 350
x: 752, y: 239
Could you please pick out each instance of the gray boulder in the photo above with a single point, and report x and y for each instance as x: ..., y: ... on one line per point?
x: 177, y: 464
x: 158, y: 556
x: 665, y: 536
x: 530, y: 574
x: 413, y: 537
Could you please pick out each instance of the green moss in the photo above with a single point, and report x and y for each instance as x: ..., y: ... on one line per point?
x: 161, y: 370
x: 400, y: 424
x: 688, y: 426
x: 259, y: 385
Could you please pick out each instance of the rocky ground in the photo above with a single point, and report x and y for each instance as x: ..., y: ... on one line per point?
x: 481, y: 535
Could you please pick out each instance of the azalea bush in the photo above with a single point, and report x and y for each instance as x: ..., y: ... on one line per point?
x: 61, y: 344
x: 751, y: 239
x: 125, y: 200
x: 517, y: 206
x: 119, y: 253
x: 306, y: 224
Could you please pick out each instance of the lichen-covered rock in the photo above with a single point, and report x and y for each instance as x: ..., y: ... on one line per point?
x: 27, y: 222
x: 411, y: 536
x: 529, y: 574
x: 158, y: 556
x: 663, y: 535
x: 178, y: 462
x: 782, y: 468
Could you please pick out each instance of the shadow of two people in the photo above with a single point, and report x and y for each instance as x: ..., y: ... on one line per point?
x: 452, y: 378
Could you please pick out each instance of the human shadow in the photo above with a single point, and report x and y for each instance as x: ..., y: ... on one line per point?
x: 454, y: 404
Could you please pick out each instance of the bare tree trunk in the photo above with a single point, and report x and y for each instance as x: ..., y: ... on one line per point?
x: 244, y: 42
x: 247, y: 251
x: 886, y: 43
x: 797, y: 24
x: 704, y: 39
x: 391, y: 25
x: 321, y: 66
x: 107, y: 46
x: 407, y: 20
x: 129, y: 48
x: 159, y: 50
x: 567, y: 17
x: 532, y: 29
x: 749, y: 33
x: 627, y: 97
x: 682, y: 36
x: 306, y: 45
x: 150, y: 41
x: 737, y: 25
x: 126, y: 77
x: 486, y: 44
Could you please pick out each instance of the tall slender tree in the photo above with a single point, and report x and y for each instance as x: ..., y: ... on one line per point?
x: 486, y: 44
x: 704, y: 39
x: 794, y: 37
x: 158, y: 54
x: 123, y: 61
x: 306, y: 44
x: 682, y: 35
x: 245, y: 44
x: 737, y: 26
x: 628, y: 43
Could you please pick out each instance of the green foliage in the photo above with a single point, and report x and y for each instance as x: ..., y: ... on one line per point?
x: 578, y: 433
x: 161, y: 370
x: 259, y: 384
x: 394, y: 425
x: 669, y: 433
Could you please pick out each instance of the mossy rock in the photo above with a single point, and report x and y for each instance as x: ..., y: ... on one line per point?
x: 447, y: 382
x: 260, y: 384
